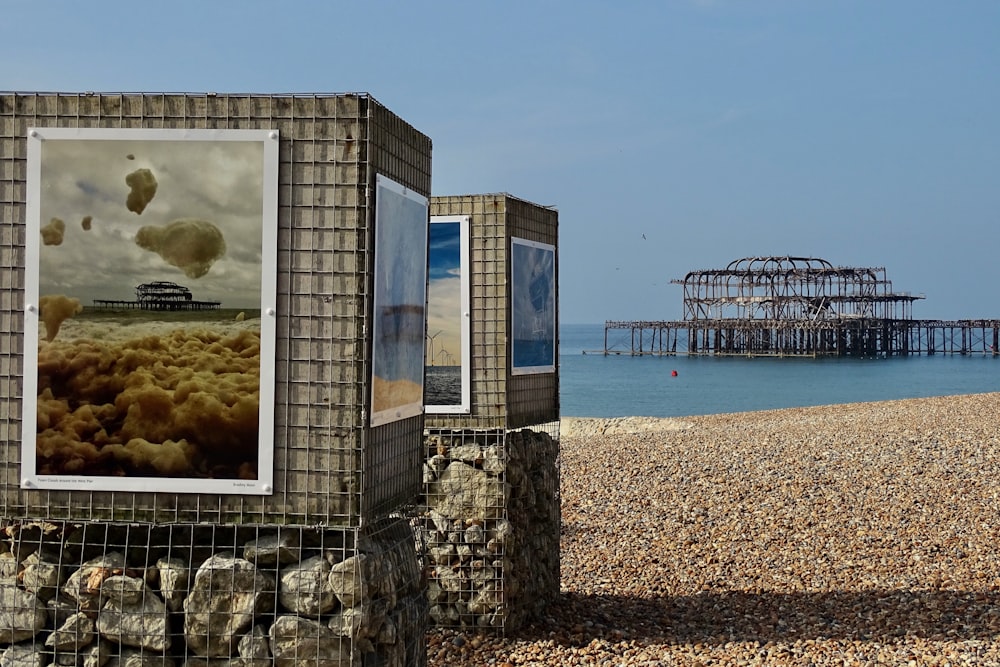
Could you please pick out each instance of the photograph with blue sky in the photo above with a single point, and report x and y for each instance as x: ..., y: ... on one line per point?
x: 671, y: 136
x: 532, y: 307
x: 447, y: 372
x: 444, y: 293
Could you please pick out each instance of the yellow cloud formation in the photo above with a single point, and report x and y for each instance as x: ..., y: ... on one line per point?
x: 56, y: 309
x: 52, y: 233
x: 189, y: 244
x: 184, y: 404
x: 143, y: 185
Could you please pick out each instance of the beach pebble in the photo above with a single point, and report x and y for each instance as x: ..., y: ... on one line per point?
x: 840, y: 535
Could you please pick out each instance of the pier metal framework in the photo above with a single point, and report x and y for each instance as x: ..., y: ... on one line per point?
x: 798, y: 306
x: 159, y: 295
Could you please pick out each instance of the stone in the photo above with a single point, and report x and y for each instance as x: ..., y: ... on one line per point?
x: 350, y: 580
x: 41, y: 576
x: 305, y: 588
x: 84, y: 585
x: 8, y: 566
x: 254, y: 648
x: 124, y: 589
x: 141, y: 623
x: 22, y: 655
x: 131, y: 657
x: 475, y: 534
x: 72, y: 635
x: 471, y: 454
x: 174, y: 576
x: 97, y: 654
x: 226, y: 597
x: 282, y: 548
x: 302, y: 642
x: 493, y: 460
x: 463, y: 491
x: 363, y: 621
x: 22, y: 614
x: 61, y: 608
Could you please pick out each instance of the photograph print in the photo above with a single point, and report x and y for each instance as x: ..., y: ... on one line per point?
x: 533, y: 307
x: 400, y: 294
x: 448, y: 379
x: 150, y: 287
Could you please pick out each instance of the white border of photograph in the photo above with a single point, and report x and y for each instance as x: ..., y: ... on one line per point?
x: 515, y: 295
x: 264, y: 484
x: 399, y: 266
x: 465, y: 325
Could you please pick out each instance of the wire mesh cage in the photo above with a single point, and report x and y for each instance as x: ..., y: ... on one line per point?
x: 487, y: 528
x: 196, y: 594
x: 329, y: 465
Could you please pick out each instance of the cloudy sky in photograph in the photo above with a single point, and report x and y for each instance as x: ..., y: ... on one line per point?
x: 201, y: 228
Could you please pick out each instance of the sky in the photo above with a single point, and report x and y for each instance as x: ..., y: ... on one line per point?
x: 672, y: 136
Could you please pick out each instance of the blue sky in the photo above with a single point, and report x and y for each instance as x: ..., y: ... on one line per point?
x: 866, y: 133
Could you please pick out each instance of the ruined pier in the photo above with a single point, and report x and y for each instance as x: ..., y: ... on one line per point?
x: 801, y: 307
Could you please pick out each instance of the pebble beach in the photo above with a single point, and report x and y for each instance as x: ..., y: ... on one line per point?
x: 856, y: 534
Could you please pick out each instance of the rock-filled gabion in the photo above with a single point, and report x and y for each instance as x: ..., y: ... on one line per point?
x: 487, y: 526
x: 197, y: 596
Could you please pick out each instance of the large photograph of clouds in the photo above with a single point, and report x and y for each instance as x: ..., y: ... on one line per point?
x: 400, y: 298
x: 448, y: 381
x: 149, y: 324
x: 533, y: 307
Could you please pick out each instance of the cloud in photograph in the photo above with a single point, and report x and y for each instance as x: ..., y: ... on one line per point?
x: 52, y: 233
x: 191, y: 245
x: 219, y: 184
x: 143, y: 189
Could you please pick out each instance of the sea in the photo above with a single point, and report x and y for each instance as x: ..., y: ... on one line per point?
x: 595, y: 385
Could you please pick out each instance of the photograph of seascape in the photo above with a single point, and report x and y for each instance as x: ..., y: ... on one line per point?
x: 447, y: 368
x: 149, y: 333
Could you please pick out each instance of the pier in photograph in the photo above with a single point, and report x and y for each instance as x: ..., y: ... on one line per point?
x: 159, y: 295
x: 797, y: 306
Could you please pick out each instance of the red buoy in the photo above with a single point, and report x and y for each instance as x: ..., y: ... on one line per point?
x: 673, y: 373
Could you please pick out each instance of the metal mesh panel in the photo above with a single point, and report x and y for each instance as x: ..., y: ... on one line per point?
x: 488, y: 525
x: 330, y: 468
x: 192, y: 594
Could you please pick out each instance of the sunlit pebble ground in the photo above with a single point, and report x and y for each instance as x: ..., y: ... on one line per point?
x: 858, y: 534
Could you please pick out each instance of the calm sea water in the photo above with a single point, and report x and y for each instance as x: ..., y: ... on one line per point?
x: 593, y: 385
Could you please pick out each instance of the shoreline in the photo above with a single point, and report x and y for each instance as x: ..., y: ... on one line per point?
x: 572, y: 426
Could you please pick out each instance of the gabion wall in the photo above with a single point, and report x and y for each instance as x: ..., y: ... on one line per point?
x: 488, y: 521
x: 94, y: 594
x: 488, y: 525
x: 206, y: 579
